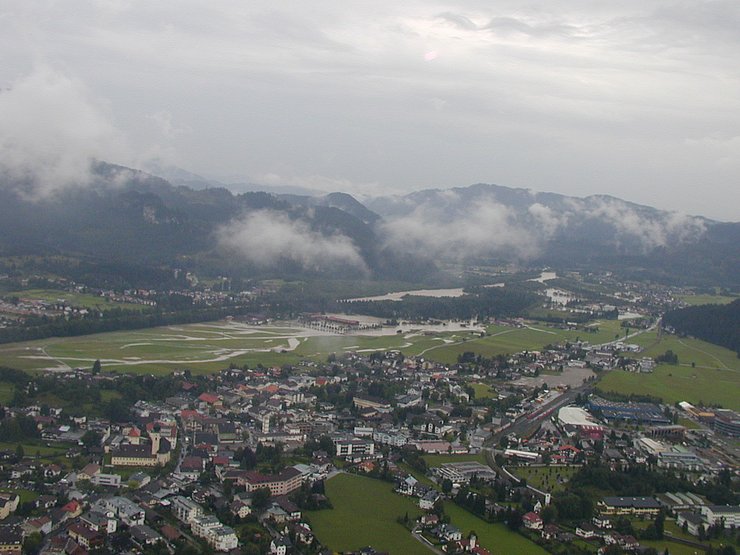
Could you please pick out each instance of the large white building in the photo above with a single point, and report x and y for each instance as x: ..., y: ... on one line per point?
x: 715, y: 514
x: 186, y: 510
x: 575, y: 419
x: 223, y: 538
x: 354, y: 448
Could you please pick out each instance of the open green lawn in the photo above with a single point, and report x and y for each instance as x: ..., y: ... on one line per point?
x: 548, y: 479
x: 483, y: 391
x: 365, y: 512
x: 30, y: 448
x: 497, y: 538
x: 672, y: 547
x: 72, y: 299
x: 26, y: 495
x: 679, y: 383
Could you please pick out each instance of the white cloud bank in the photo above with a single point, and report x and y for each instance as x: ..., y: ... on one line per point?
x: 266, y: 237
x: 482, y: 229
x: 50, y: 132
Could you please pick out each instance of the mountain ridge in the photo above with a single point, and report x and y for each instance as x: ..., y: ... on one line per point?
x: 131, y: 216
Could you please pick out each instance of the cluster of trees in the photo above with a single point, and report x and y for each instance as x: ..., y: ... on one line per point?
x: 479, y: 303
x: 669, y: 357
x: 645, y: 481
x: 718, y: 324
x: 18, y: 428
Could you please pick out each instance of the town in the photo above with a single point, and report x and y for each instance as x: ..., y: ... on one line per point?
x: 258, y: 460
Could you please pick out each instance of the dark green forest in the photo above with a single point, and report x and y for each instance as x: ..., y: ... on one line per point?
x: 718, y: 324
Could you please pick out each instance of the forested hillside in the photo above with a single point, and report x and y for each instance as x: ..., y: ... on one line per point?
x: 718, y: 324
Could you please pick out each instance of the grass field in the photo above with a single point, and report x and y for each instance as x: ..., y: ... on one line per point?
x: 72, y: 299
x: 203, y: 348
x: 679, y: 383
x: 209, y: 347
x: 25, y: 495
x: 694, y: 300
x: 497, y: 538
x: 713, y: 378
x: 6, y: 392
x: 483, y: 391
x: 505, y: 340
x: 364, y: 514
x: 545, y: 478
x: 30, y: 449
x: 689, y: 350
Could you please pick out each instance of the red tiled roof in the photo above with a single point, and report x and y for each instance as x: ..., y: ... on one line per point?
x: 208, y: 398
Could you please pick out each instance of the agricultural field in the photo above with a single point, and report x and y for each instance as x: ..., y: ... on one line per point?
x: 356, y: 522
x: 497, y: 538
x: 545, y: 478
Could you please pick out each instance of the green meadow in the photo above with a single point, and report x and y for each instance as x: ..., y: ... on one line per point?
x: 364, y: 514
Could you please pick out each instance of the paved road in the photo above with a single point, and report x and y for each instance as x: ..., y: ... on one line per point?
x: 425, y: 542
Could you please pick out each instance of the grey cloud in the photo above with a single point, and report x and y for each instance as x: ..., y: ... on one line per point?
x: 580, y: 98
x: 266, y: 237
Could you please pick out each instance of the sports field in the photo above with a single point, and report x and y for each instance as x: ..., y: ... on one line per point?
x: 364, y: 514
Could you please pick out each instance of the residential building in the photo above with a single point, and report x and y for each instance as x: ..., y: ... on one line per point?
x: 186, y: 510
x: 284, y: 483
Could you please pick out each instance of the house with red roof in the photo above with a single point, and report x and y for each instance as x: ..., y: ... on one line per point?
x: 72, y: 509
x: 532, y: 521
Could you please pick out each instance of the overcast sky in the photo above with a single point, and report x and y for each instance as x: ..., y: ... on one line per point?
x: 638, y: 99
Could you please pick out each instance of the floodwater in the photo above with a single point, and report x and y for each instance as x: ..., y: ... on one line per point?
x: 399, y: 295
x: 544, y: 276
